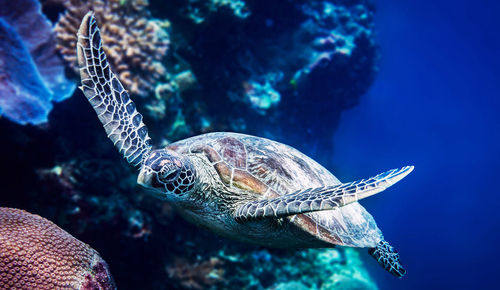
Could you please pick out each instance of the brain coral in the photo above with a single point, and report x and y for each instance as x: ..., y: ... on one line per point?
x: 134, y: 42
x: 37, y: 254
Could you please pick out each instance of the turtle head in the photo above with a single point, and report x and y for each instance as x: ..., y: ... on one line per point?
x: 169, y: 174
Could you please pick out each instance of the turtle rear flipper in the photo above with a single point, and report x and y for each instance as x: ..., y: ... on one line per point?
x: 388, y: 258
x: 321, y: 198
x: 110, y: 100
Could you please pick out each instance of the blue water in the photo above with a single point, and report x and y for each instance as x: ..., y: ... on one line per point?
x: 435, y: 104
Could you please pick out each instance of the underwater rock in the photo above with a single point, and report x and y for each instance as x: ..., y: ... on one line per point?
x: 31, y: 72
x: 37, y: 254
x: 136, y: 43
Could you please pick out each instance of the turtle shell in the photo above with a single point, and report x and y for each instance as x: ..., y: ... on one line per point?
x: 271, y: 169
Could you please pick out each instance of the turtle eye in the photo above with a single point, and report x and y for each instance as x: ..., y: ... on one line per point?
x: 156, y: 183
x: 169, y: 176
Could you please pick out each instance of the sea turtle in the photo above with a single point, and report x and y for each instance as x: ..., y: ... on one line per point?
x: 243, y: 187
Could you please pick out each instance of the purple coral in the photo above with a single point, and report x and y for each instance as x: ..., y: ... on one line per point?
x: 31, y: 72
x: 24, y: 98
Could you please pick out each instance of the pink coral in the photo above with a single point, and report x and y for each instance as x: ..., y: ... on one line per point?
x: 37, y: 254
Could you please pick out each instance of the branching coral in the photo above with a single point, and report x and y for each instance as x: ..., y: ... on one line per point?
x: 134, y: 42
x: 37, y: 254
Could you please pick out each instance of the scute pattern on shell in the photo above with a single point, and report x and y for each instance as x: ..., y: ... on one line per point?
x: 232, y: 152
x: 37, y: 254
x: 269, y: 169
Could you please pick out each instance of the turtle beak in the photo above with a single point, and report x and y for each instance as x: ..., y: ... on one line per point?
x: 144, y: 179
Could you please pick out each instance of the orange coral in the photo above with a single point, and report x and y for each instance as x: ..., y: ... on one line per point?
x: 37, y: 254
x: 134, y: 43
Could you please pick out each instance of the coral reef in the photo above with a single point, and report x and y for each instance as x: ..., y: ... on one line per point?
x: 31, y: 74
x: 37, y: 254
x: 240, y: 66
x: 136, y: 44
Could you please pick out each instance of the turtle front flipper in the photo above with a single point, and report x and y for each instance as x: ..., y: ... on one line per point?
x: 388, y: 258
x: 110, y: 100
x: 321, y: 198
